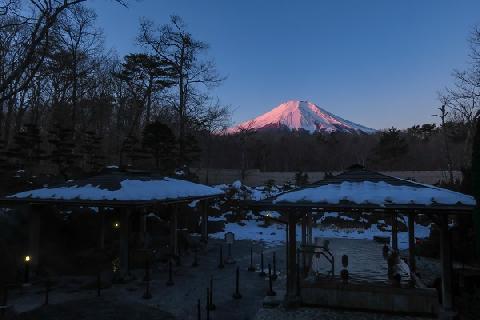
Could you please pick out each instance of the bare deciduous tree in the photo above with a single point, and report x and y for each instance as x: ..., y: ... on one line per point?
x: 29, y: 37
x: 463, y: 98
x: 174, y: 44
x: 443, y: 118
x: 77, y: 40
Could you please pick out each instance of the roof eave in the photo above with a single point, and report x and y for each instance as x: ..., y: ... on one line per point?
x: 102, y: 203
x: 458, y: 208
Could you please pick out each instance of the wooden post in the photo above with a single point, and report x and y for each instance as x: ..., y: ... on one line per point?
x: 309, y: 237
x: 287, y: 241
x: 34, y: 236
x: 143, y: 227
x: 173, y: 231
x: 304, y: 229
x: 292, y: 258
x: 304, y: 242
x: 309, y: 228
x: 411, y: 243
x: 394, y: 231
x: 446, y: 265
x: 205, y: 222
x: 101, y: 240
x: 124, y: 246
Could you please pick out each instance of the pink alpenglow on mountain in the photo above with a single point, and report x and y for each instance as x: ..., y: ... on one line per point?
x: 301, y: 115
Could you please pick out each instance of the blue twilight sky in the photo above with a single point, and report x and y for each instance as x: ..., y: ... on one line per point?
x: 379, y: 63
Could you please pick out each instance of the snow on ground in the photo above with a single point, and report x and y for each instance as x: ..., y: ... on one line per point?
x: 274, y: 234
x: 250, y: 230
x: 239, y: 191
x: 271, y: 214
x: 329, y: 214
x: 237, y: 184
x: 221, y: 218
x: 380, y: 193
x: 162, y: 189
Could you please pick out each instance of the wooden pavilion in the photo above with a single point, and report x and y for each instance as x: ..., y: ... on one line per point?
x: 360, y: 190
x: 126, y: 192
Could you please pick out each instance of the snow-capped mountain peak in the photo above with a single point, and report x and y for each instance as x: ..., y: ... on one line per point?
x: 301, y: 115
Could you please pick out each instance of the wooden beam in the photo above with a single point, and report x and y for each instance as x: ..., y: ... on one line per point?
x: 34, y: 222
x: 411, y: 244
x: 101, y: 236
x: 304, y: 241
x: 309, y: 238
x: 309, y: 228
x: 143, y: 227
x: 446, y: 265
x: 394, y: 231
x: 205, y: 221
x: 101, y: 203
x: 354, y: 207
x: 287, y: 241
x: 292, y: 257
x: 304, y: 229
x: 174, y: 231
x: 124, y: 243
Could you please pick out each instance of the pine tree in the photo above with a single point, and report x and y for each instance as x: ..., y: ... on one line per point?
x: 301, y: 178
x: 4, y: 159
x: 92, y: 151
x: 159, y: 141
x: 27, y: 147
x: 391, y: 145
x: 63, y: 153
x: 145, y: 75
x: 191, y: 150
x: 132, y: 150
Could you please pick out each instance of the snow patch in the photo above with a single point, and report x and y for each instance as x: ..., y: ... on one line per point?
x: 237, y: 184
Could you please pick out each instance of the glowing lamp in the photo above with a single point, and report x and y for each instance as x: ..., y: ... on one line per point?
x: 26, y: 280
x: 116, y: 225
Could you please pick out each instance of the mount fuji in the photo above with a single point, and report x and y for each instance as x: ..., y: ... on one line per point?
x: 301, y: 115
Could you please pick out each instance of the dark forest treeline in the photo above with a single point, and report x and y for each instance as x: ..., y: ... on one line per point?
x: 392, y: 149
x: 66, y: 102
x: 68, y: 106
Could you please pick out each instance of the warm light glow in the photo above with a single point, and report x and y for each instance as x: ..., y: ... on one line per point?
x: 116, y: 225
x: 27, y: 258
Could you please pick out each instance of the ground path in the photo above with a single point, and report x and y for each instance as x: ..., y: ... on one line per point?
x: 325, y: 314
x: 72, y: 300
x: 179, y: 300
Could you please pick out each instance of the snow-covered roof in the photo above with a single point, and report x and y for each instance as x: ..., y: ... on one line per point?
x: 366, y: 188
x: 379, y: 193
x: 122, y: 188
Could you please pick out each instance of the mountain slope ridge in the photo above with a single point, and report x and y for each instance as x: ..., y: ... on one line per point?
x: 302, y: 115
